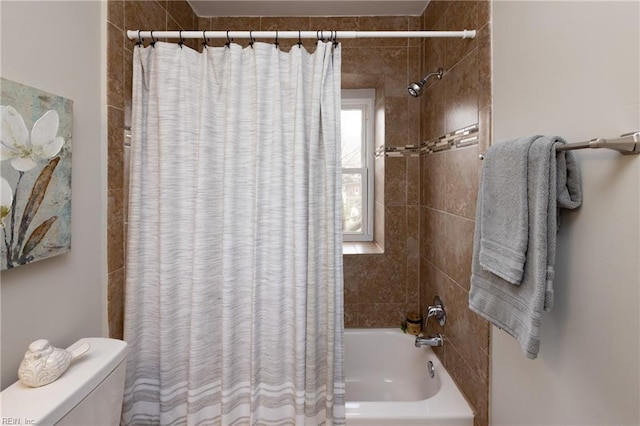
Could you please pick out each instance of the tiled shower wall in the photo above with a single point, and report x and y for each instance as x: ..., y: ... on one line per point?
x: 449, y: 184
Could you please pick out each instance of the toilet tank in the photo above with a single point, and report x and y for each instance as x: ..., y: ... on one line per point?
x: 89, y: 393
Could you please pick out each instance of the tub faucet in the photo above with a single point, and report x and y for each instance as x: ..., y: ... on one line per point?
x: 429, y: 340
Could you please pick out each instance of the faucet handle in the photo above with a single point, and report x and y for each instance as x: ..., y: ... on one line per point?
x: 437, y: 310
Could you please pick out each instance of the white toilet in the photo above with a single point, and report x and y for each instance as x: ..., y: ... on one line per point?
x: 89, y: 393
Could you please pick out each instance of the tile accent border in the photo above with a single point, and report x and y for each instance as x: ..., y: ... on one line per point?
x: 398, y: 151
x: 467, y: 136
x: 462, y: 138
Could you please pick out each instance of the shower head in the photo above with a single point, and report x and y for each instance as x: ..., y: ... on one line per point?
x: 415, y: 89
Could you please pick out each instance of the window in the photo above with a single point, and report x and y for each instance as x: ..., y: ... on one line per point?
x: 357, y: 164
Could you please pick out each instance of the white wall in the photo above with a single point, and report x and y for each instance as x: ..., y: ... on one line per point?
x: 572, y: 69
x: 58, y: 47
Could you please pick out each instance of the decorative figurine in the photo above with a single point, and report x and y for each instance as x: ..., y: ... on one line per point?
x: 43, y: 363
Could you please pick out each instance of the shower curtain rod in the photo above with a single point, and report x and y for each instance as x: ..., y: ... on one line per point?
x: 137, y: 34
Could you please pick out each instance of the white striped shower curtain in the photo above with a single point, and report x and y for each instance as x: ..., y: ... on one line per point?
x: 233, y: 307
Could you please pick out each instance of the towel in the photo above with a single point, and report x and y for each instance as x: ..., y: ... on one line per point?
x: 505, y: 215
x: 553, y: 181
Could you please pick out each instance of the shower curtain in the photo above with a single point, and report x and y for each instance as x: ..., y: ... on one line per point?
x: 233, y: 307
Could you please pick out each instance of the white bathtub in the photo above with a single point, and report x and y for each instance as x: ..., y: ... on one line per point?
x: 388, y: 384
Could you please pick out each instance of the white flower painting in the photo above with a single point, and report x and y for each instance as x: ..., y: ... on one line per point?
x: 35, y: 163
x: 24, y: 151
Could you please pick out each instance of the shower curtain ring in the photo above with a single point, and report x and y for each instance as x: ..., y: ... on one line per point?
x: 276, y: 43
x: 204, y: 36
x: 153, y: 40
x: 140, y: 40
x: 335, y: 38
x: 229, y: 40
x: 251, y: 39
x: 181, y: 40
x: 299, y: 40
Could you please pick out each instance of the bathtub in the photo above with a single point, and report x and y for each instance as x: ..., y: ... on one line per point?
x: 388, y: 384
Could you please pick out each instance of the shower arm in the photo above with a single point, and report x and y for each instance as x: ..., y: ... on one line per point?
x: 437, y: 74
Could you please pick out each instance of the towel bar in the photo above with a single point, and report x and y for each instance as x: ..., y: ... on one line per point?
x: 627, y: 144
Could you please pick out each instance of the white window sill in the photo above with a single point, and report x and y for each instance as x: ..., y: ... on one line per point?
x: 364, y: 247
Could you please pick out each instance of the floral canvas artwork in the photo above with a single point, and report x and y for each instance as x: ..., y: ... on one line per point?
x: 35, y: 169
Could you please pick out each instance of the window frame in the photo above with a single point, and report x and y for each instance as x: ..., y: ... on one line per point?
x: 363, y: 99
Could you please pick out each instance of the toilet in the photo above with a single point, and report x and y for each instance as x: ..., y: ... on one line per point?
x: 89, y: 393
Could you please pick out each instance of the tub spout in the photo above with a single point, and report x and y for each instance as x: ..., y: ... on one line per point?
x: 429, y: 340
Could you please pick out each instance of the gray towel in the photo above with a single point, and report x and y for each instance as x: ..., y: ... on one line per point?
x: 505, y: 215
x: 552, y: 181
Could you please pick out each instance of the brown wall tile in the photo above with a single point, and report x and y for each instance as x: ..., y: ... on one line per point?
x: 413, y: 258
x: 462, y: 15
x: 381, y: 314
x: 115, y: 150
x: 395, y: 228
x: 413, y: 181
x: 484, y: 12
x: 144, y: 15
x: 461, y: 101
x: 115, y: 301
x: 351, y: 267
x: 459, y: 248
x: 115, y: 13
x: 433, y: 236
x: 115, y: 230
x: 181, y: 12
x: 389, y: 62
x: 484, y: 67
x: 395, y: 182
x: 413, y: 125
x: 435, y: 10
x: 203, y: 24
x: 432, y: 185
x: 128, y: 86
x: 461, y: 177
x: 385, y: 283
x: 396, y: 121
x: 434, y: 118
x: 434, y: 49
x: 363, y: 81
x: 350, y: 64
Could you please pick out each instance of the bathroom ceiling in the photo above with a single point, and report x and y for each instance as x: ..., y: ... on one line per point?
x: 206, y: 8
